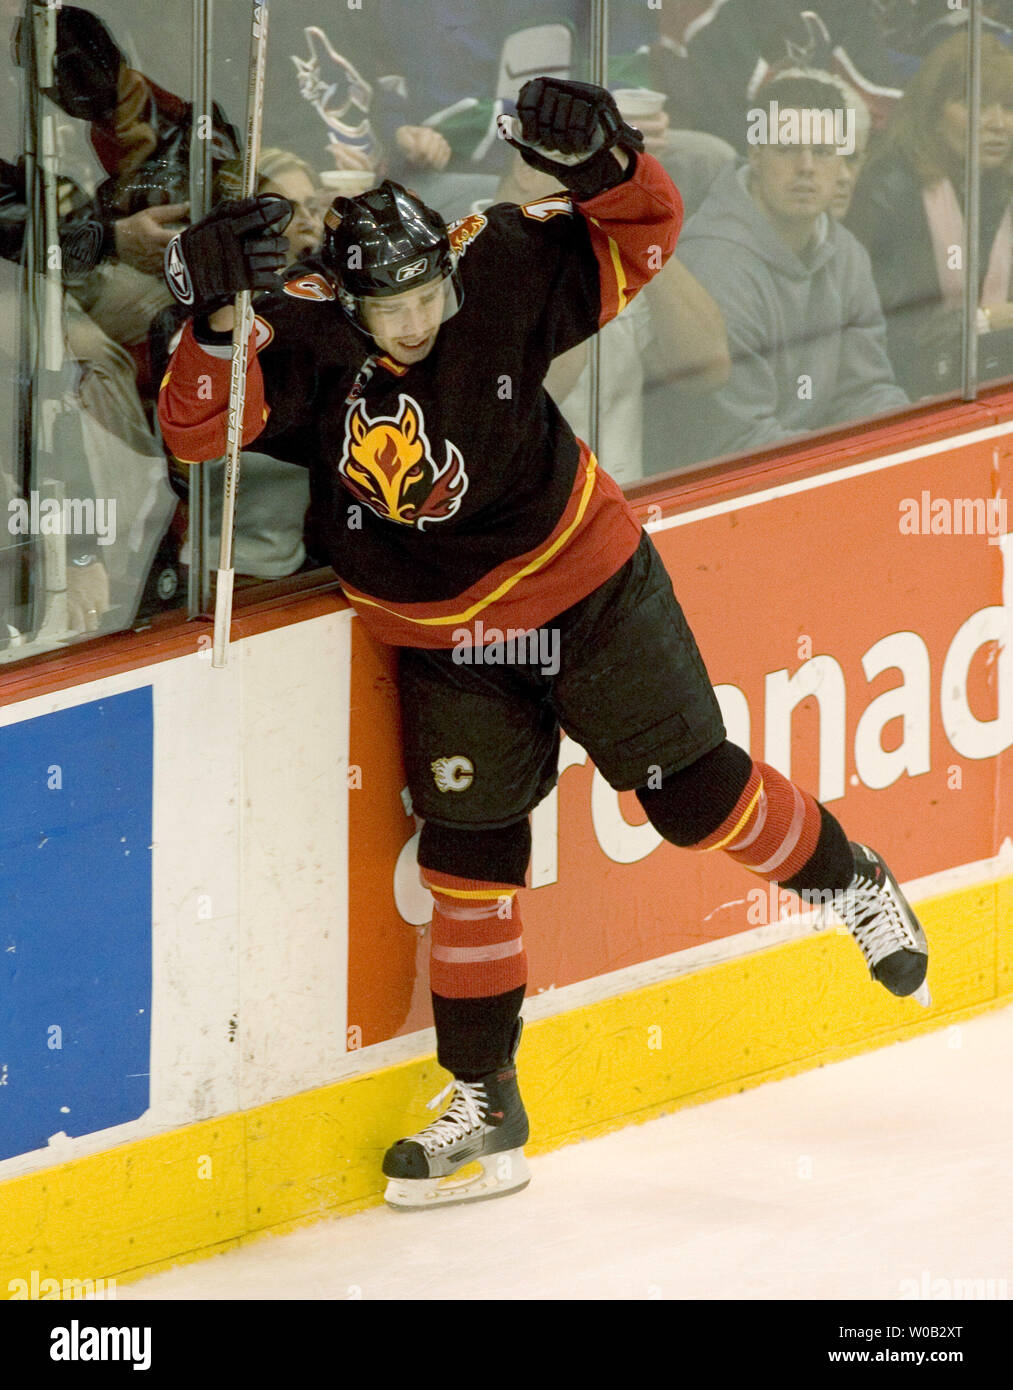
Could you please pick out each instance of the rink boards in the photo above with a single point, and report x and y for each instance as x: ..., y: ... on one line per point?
x: 214, y: 1000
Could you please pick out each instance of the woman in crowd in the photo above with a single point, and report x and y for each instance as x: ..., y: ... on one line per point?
x: 908, y: 211
x: 290, y: 177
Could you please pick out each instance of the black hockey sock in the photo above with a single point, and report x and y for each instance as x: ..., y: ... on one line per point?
x: 474, y: 1036
x: 831, y: 866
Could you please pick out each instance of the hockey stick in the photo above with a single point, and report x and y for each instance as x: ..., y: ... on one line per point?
x: 240, y: 345
x: 46, y: 460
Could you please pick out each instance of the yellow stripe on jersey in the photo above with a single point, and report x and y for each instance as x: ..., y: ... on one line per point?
x: 622, y: 298
x: 617, y: 265
x: 509, y: 583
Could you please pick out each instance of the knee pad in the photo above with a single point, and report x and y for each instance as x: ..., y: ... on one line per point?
x: 691, y: 804
x: 490, y: 856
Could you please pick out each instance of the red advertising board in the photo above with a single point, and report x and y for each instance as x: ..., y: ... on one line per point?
x: 852, y: 623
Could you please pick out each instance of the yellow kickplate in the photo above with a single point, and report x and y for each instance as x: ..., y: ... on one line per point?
x: 142, y: 1206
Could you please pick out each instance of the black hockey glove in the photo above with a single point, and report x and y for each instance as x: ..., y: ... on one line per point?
x: 238, y: 246
x: 581, y: 125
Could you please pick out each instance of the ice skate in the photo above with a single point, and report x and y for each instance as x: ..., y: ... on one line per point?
x: 880, y: 919
x: 485, y: 1124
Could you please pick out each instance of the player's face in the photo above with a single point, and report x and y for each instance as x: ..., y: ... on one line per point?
x: 795, y: 183
x: 406, y: 325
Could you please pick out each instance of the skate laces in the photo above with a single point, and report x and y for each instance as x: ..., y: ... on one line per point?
x: 874, y: 918
x: 464, y: 1115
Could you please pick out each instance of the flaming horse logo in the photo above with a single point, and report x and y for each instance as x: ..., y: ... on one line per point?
x: 387, y: 463
x: 464, y: 231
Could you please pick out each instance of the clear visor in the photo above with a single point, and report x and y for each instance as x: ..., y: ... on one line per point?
x: 431, y: 303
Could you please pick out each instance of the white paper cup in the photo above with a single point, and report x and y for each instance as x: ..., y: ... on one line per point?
x: 639, y: 101
x: 347, y: 183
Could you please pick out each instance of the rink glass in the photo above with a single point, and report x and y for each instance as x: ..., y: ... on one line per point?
x: 104, y: 532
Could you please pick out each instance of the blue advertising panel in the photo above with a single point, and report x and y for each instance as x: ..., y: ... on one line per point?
x: 75, y: 920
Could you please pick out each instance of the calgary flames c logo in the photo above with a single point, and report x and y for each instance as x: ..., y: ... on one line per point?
x: 387, y: 463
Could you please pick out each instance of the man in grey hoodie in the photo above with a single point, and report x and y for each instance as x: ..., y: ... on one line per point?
x: 805, y: 326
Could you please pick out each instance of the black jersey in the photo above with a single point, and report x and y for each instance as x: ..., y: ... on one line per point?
x: 452, y: 489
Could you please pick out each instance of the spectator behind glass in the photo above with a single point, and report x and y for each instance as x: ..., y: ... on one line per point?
x: 908, y: 213
x: 805, y: 328
x: 849, y: 165
x: 290, y: 177
x: 671, y: 332
x: 463, y: 63
x: 733, y: 47
x: 336, y: 91
x: 108, y: 455
x: 934, y: 21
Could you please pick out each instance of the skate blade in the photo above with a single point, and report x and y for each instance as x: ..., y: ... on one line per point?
x: 499, y: 1174
x: 922, y: 995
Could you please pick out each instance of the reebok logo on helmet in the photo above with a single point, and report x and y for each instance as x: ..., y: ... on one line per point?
x: 411, y: 272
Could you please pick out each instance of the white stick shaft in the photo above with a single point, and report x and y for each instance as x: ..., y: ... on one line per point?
x: 240, y: 344
x: 45, y: 17
x: 223, y: 616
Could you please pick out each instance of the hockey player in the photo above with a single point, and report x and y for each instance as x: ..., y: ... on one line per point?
x: 405, y: 370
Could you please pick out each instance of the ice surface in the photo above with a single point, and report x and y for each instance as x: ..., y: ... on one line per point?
x: 879, y: 1177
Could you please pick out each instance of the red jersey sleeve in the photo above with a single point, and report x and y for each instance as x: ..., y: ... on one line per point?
x: 193, y: 401
x: 571, y: 266
x: 633, y: 229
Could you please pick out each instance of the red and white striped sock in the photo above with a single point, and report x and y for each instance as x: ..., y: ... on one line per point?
x: 477, y: 945
x: 772, y: 829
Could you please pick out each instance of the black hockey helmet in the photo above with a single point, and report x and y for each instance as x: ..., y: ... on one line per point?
x: 385, y: 242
